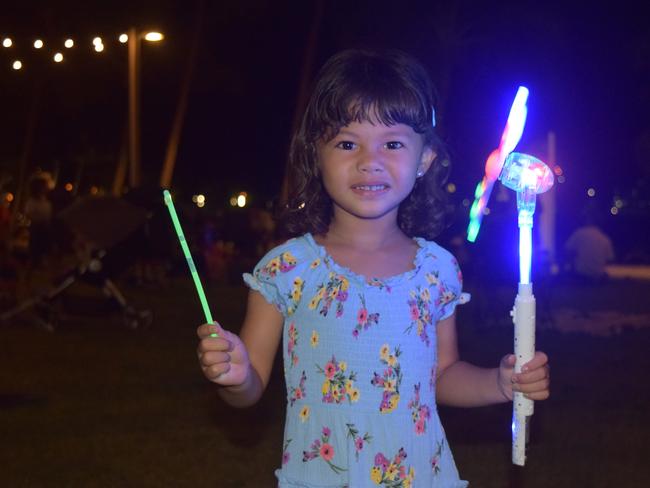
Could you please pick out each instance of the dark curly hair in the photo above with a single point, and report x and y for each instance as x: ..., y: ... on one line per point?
x: 360, y: 85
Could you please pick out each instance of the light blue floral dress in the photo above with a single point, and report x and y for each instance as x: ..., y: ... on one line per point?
x: 360, y: 363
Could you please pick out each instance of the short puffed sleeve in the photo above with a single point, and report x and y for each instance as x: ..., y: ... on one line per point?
x: 277, y: 278
x: 446, y: 274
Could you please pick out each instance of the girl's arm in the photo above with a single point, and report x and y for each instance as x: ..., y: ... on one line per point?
x: 462, y: 384
x: 242, y: 364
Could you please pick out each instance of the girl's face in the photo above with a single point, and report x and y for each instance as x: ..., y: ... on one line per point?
x: 368, y: 168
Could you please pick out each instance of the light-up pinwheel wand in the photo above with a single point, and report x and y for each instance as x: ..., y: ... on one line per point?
x: 509, y: 139
x: 188, y: 256
x: 528, y: 176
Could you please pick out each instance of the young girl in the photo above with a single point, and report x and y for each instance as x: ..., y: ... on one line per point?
x: 362, y: 298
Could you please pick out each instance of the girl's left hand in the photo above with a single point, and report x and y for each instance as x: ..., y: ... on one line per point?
x: 534, y: 380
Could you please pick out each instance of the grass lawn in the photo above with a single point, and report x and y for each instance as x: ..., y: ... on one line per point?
x: 95, y: 404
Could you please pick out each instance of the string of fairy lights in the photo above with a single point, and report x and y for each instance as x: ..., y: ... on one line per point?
x: 57, y: 51
x: 18, y: 50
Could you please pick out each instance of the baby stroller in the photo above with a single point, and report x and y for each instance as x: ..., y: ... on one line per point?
x: 98, y: 225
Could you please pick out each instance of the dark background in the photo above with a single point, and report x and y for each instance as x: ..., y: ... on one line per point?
x: 110, y: 406
x: 587, y: 67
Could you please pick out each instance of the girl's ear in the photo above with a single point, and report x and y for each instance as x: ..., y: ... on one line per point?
x: 428, y: 156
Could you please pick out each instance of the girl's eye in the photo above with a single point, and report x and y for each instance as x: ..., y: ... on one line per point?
x: 346, y: 145
x: 394, y: 145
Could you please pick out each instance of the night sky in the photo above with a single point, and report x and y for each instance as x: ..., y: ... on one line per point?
x: 588, y: 69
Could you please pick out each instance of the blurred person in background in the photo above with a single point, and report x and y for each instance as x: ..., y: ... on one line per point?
x: 589, y: 250
x: 38, y: 209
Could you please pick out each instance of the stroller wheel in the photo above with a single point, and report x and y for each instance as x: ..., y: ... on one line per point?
x: 135, y: 319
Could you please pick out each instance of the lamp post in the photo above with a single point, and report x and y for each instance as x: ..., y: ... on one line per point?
x: 134, y: 38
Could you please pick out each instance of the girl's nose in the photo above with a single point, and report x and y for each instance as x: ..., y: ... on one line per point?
x: 370, y: 161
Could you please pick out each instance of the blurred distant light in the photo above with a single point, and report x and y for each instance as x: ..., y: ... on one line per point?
x: 451, y: 188
x: 58, y: 57
x: 9, y: 197
x: 241, y: 200
x: 486, y: 211
x: 561, y: 179
x: 99, y: 47
x: 591, y: 192
x: 233, y: 201
x: 68, y: 43
x: 97, y: 40
x: 465, y: 202
x: 17, y: 65
x: 153, y: 36
x: 94, y: 190
x: 200, y: 204
x: 7, y: 42
x: 38, y: 43
x: 200, y: 200
x: 557, y: 170
x: 123, y: 38
x: 618, y: 203
x: 195, y: 198
x: 68, y: 186
x: 614, y: 211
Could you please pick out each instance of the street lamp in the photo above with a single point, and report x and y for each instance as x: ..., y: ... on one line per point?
x: 133, y: 39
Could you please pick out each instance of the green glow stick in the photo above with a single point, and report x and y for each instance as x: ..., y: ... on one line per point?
x: 188, y: 256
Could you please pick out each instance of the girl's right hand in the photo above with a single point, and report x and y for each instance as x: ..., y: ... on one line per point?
x: 223, y: 359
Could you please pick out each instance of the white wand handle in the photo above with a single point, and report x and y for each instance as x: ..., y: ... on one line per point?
x: 528, y: 176
x: 523, y: 315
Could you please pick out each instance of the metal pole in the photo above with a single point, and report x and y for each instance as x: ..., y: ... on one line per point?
x: 134, y: 108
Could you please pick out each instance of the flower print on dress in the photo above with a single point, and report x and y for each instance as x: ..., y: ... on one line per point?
x: 359, y: 441
x: 292, y: 343
x: 282, y: 263
x: 337, y: 386
x: 420, y: 413
x: 321, y: 448
x: 456, y: 266
x: 364, y: 319
x: 336, y: 290
x: 445, y: 295
x: 420, y: 310
x: 389, y: 380
x: 304, y: 413
x: 298, y: 392
x: 286, y: 455
x: 392, y: 474
x: 313, y: 340
x: 435, y: 459
x: 432, y: 278
x: 376, y: 282
x: 295, y: 294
